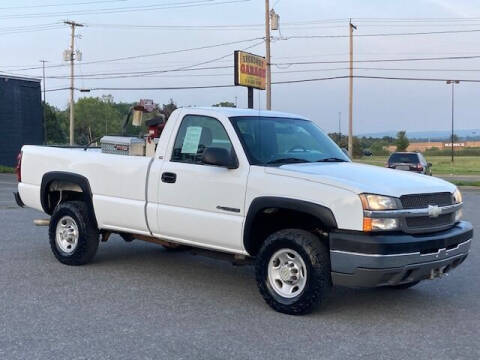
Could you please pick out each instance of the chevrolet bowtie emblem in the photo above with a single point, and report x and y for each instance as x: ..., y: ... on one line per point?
x: 434, y: 211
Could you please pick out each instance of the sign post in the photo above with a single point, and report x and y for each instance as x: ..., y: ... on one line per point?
x: 250, y: 71
x: 250, y: 97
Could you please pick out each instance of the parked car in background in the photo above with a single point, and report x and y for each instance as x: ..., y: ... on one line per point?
x: 409, y: 161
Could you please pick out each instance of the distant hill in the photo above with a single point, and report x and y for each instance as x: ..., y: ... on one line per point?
x: 432, y: 135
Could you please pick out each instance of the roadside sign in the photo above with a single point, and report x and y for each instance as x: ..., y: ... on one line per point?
x: 250, y: 70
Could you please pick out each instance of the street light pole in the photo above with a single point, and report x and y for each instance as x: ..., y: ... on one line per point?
x: 350, y: 93
x: 453, y: 82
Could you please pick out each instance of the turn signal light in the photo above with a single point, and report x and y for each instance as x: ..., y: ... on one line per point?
x: 367, y: 224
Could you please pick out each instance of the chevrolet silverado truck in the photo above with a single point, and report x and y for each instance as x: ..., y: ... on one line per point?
x: 263, y: 186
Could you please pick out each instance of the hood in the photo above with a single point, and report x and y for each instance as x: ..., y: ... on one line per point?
x: 361, y: 178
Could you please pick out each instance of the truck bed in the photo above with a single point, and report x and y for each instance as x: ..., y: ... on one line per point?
x: 117, y: 182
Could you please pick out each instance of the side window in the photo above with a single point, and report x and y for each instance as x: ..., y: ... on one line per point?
x: 196, y: 133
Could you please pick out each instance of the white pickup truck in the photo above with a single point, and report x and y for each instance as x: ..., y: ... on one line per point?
x: 259, y: 185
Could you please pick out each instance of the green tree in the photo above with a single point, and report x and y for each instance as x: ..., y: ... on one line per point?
x: 225, y: 104
x: 342, y: 142
x: 402, y: 141
x: 377, y: 148
x: 168, y: 109
x: 96, y: 117
x: 55, y: 125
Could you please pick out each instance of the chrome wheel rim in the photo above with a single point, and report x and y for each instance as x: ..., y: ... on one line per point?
x: 287, y: 273
x: 67, y: 235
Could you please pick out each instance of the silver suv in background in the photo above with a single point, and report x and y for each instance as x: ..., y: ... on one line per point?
x: 409, y: 161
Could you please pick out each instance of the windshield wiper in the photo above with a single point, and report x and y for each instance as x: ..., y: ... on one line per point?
x: 290, y: 160
x: 332, y: 159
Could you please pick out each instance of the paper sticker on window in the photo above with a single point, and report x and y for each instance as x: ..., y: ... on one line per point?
x: 192, y: 139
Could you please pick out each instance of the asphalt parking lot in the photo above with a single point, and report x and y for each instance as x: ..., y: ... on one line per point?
x: 137, y: 301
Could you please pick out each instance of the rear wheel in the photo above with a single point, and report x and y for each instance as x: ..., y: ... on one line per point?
x: 293, y: 271
x: 73, y: 235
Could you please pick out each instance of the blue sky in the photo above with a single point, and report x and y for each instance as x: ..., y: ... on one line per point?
x: 378, y: 104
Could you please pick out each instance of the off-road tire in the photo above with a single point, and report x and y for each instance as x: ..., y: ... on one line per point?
x: 316, y: 257
x: 88, y: 234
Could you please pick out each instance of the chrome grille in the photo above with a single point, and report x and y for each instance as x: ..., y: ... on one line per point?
x: 421, y: 201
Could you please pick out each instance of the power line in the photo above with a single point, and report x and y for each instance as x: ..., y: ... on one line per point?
x: 188, y: 68
x: 162, y: 73
x: 413, y: 19
x: 383, y: 34
x: 7, y: 28
x: 152, y: 54
x: 191, y: 67
x: 273, y: 83
x: 60, y: 4
x: 14, y: 32
x: 165, y: 6
x: 174, y: 51
x: 380, y: 60
x: 58, y: 89
x: 414, y: 79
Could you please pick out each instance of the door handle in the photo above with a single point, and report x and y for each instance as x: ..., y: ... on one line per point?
x: 168, y: 177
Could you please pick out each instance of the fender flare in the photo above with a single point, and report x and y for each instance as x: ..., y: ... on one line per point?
x: 73, y: 178
x: 322, y: 213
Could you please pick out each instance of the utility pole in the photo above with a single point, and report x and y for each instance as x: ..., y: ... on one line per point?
x: 350, y: 97
x: 73, y: 25
x: 44, y: 104
x: 339, y: 128
x: 43, y: 69
x: 453, y: 82
x: 267, y: 55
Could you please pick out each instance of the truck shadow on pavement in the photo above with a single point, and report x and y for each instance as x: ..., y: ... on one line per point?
x: 204, y: 278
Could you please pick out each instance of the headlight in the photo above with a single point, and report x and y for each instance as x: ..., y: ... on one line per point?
x: 372, y: 202
x: 378, y: 202
x: 457, y: 196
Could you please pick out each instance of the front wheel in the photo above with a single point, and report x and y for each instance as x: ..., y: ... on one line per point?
x: 293, y: 271
x: 73, y: 235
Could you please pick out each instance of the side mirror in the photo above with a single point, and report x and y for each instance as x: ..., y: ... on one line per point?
x: 219, y: 157
x: 429, y: 164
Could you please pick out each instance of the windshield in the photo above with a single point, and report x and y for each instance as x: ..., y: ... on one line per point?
x: 403, y: 158
x: 277, y: 141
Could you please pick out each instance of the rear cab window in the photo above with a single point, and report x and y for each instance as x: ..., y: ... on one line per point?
x: 404, y: 158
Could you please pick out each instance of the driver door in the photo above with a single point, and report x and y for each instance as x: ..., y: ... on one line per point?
x: 202, y: 203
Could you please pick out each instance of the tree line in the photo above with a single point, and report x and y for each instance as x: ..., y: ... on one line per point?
x: 372, y: 146
x: 96, y: 117
x: 99, y: 116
